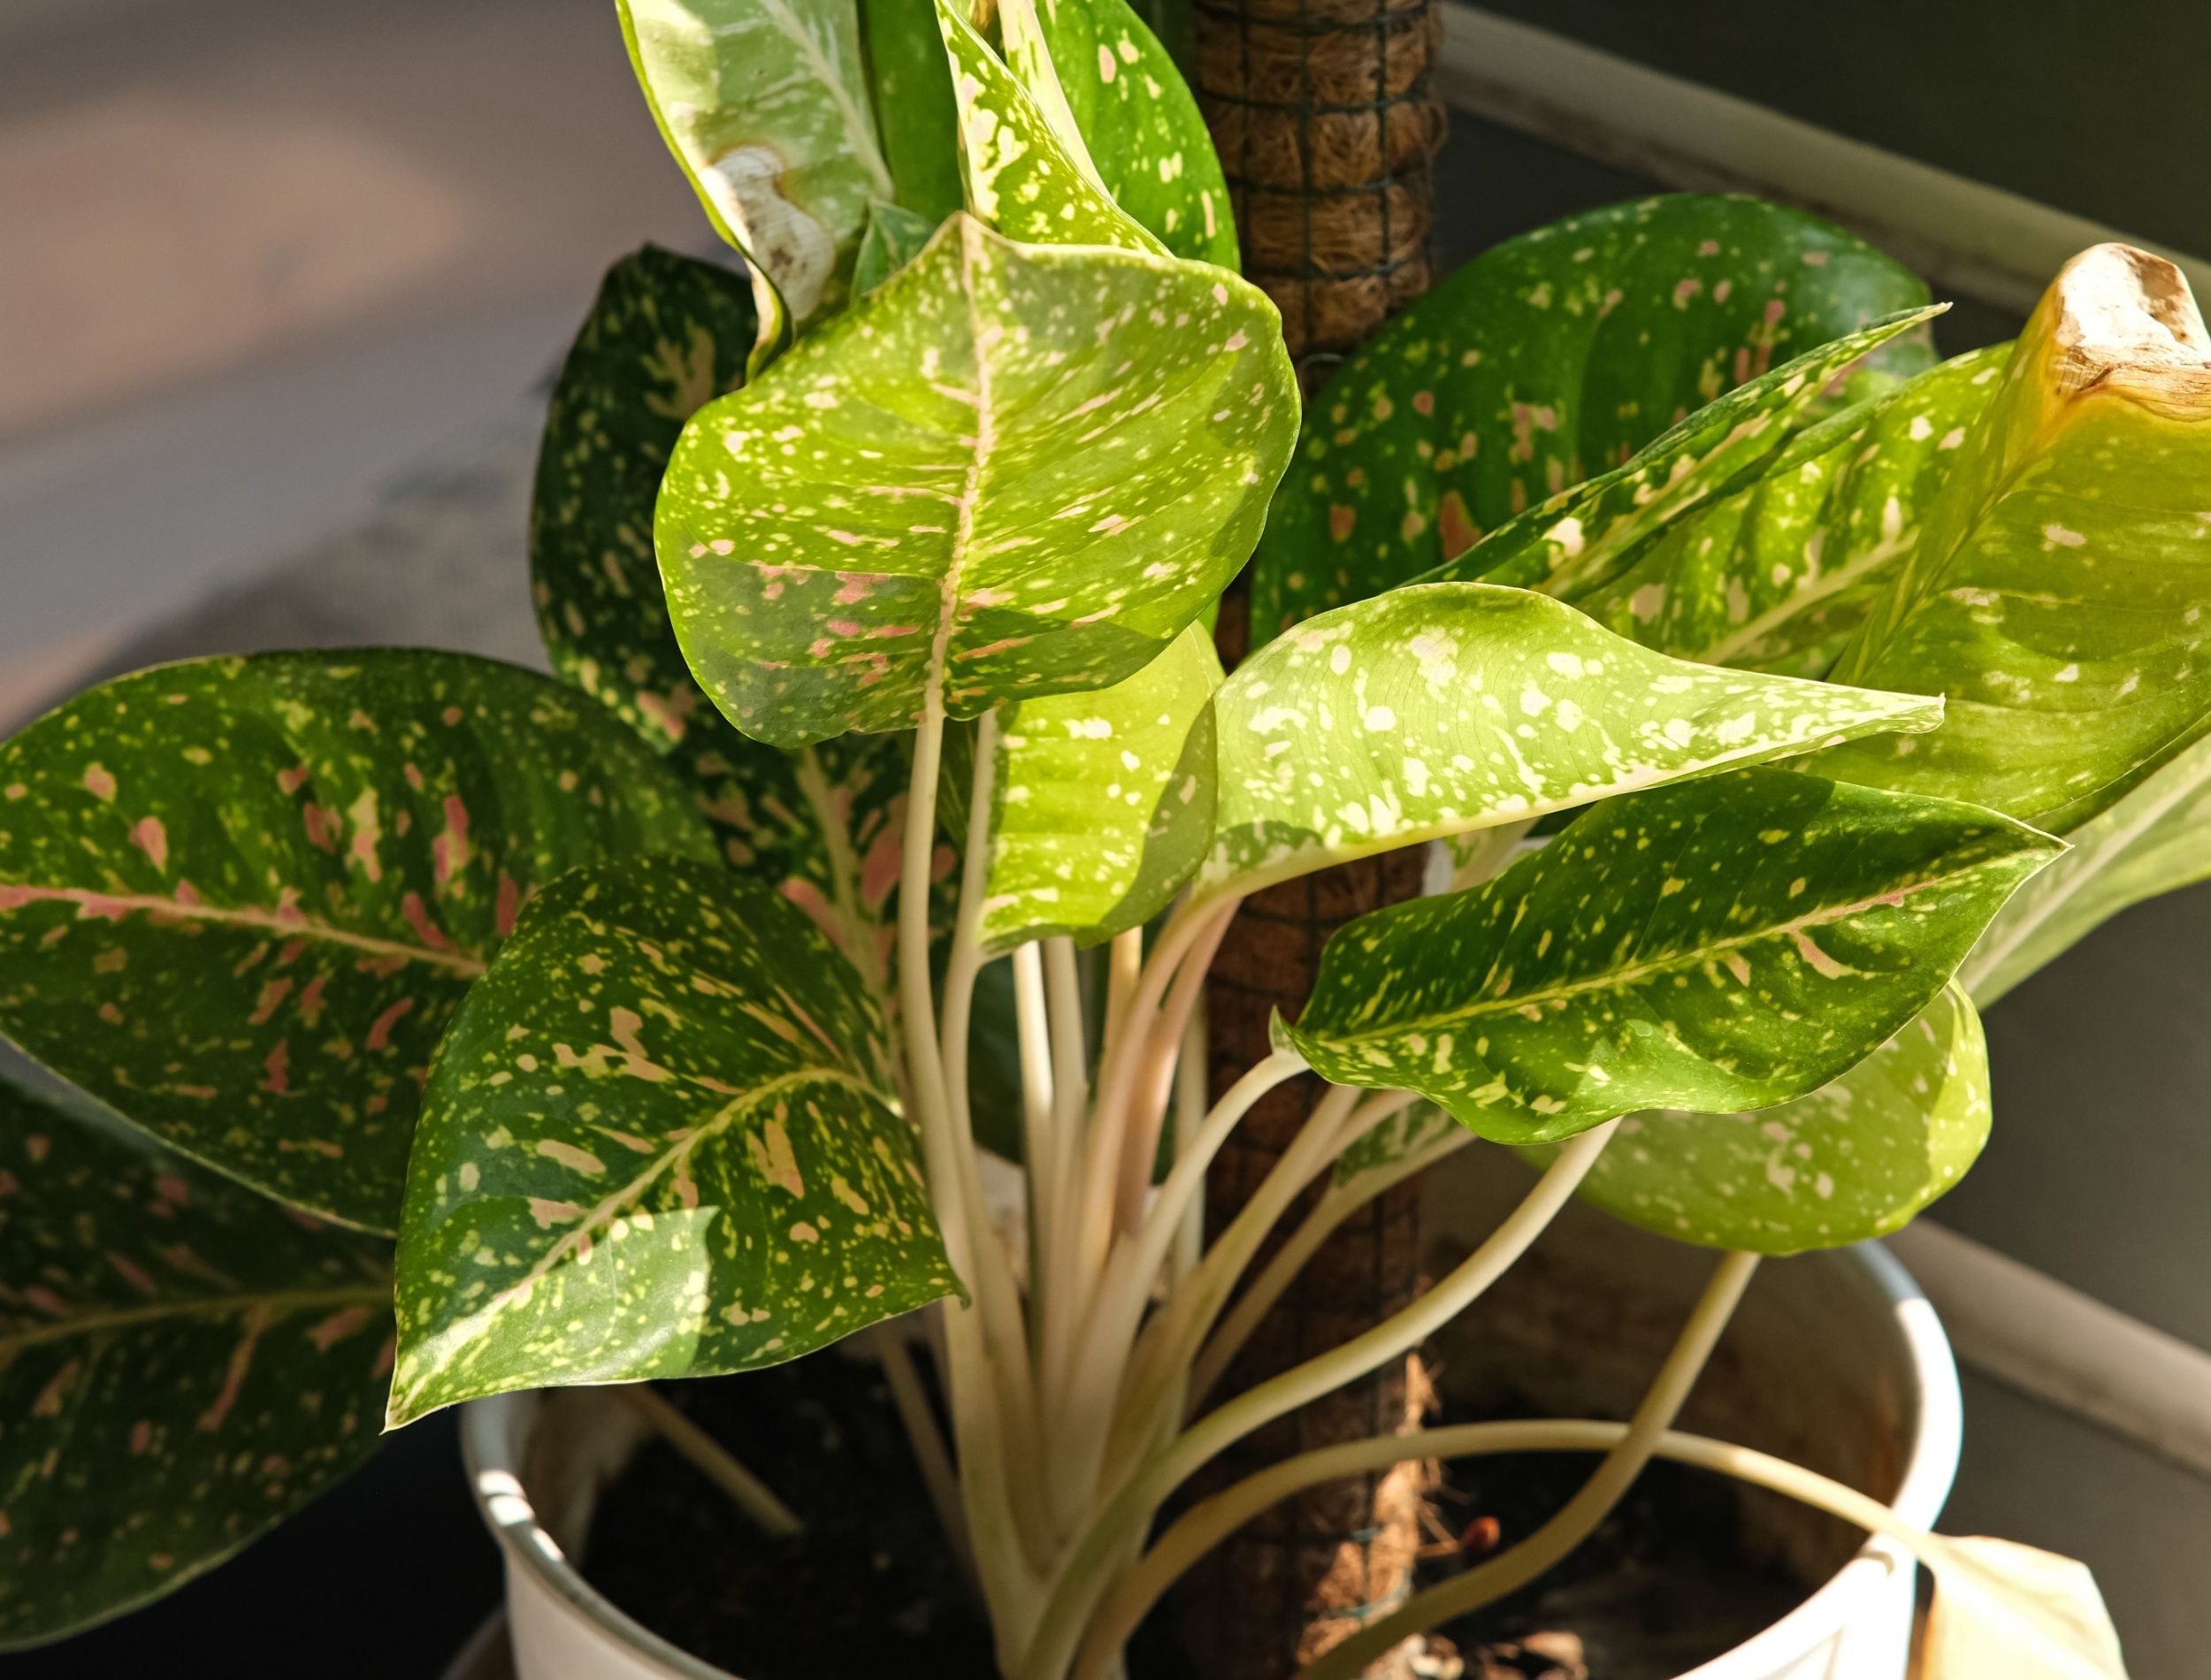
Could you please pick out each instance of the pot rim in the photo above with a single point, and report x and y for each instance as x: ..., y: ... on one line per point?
x: 492, y: 1437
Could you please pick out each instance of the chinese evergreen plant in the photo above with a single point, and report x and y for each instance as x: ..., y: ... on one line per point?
x: 1742, y: 662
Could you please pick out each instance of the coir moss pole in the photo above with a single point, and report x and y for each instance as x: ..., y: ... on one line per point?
x: 1321, y: 113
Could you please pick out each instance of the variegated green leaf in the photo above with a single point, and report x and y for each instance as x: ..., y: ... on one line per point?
x: 1583, y: 539
x: 182, y: 1365
x: 1025, y: 178
x: 1553, y: 357
x: 1775, y: 577
x: 659, y: 1140
x: 1137, y: 119
x: 1721, y: 944
x: 765, y: 104
x: 2059, y: 591
x: 665, y: 336
x: 239, y: 899
x: 820, y: 825
x: 1013, y: 470
x: 1857, y: 1159
x: 1097, y: 818
x: 2155, y: 840
x: 915, y: 112
x: 1440, y: 708
x: 1422, y: 1126
x: 895, y: 237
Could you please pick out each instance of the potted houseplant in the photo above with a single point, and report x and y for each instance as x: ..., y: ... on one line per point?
x: 1750, y: 672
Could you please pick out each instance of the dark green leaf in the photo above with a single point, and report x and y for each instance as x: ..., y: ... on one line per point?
x: 1583, y: 539
x: 915, y: 112
x: 1417, y: 1128
x: 239, y: 899
x: 665, y: 336
x: 1857, y: 1159
x: 1775, y: 577
x: 182, y: 1365
x: 660, y: 1140
x: 1720, y: 944
x: 820, y: 825
x: 895, y: 237
x: 1553, y: 357
x: 2058, y: 593
x: 1015, y: 470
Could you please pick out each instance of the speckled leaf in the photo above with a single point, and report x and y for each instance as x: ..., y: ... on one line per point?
x: 765, y: 104
x: 1097, y: 819
x: 1720, y: 944
x: 915, y: 112
x: 1137, y: 119
x: 1857, y: 1159
x: 1013, y: 470
x: 1025, y: 177
x: 182, y: 1365
x: 895, y: 237
x: 1777, y: 577
x: 1584, y: 538
x: 1411, y: 1129
x: 1551, y: 357
x: 2155, y: 840
x: 239, y: 899
x: 659, y: 1140
x: 665, y: 336
x: 1441, y: 708
x: 2059, y: 591
x: 820, y: 825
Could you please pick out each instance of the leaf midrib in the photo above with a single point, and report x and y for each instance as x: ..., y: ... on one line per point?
x: 100, y: 1321
x: 970, y: 497
x: 465, y: 963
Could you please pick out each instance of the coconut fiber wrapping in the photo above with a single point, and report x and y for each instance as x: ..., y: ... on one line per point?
x: 1322, y: 115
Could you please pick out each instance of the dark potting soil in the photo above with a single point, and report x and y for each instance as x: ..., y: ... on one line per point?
x: 870, y: 1592
x: 1666, y: 1583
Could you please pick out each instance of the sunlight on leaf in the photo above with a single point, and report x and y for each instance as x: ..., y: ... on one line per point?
x: 2003, y: 1611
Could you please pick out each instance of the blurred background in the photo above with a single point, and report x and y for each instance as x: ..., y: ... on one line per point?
x: 262, y: 256
x: 281, y: 282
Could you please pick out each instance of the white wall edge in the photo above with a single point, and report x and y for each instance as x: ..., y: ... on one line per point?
x: 2056, y: 1345
x: 1964, y: 235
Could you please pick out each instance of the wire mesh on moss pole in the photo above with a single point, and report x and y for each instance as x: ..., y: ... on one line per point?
x: 1321, y: 112
x: 1322, y: 115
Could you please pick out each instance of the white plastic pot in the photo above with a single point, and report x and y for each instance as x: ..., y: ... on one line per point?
x: 1834, y: 1359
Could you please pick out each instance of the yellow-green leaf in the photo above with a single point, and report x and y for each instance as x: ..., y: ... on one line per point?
x: 1856, y: 1159
x: 1013, y: 470
x: 1441, y: 708
x: 765, y: 104
x: 2059, y: 593
x: 1101, y: 812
